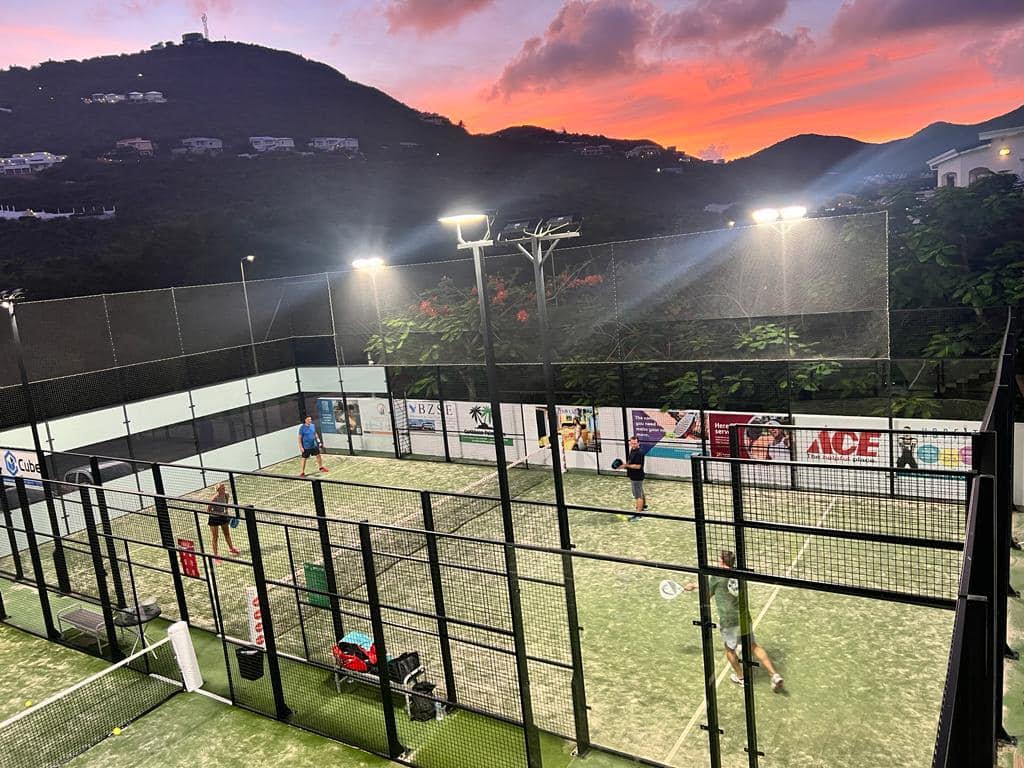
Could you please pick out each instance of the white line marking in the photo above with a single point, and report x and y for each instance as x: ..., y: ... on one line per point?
x: 764, y: 610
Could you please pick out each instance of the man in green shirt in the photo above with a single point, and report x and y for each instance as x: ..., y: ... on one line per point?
x: 727, y: 599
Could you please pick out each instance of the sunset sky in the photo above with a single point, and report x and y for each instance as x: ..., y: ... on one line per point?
x: 715, y: 77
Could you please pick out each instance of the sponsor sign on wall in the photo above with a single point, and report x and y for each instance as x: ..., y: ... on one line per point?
x: 425, y: 415
x: 577, y: 427
x: 759, y: 437
x: 255, y: 616
x: 332, y: 420
x: 21, y: 464
x: 187, y: 557
x: 668, y: 434
x: 476, y: 424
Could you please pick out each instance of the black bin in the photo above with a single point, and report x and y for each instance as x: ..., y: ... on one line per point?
x: 250, y: 662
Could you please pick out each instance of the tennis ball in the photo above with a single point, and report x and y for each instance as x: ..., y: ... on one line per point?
x: 117, y: 731
x: 28, y: 704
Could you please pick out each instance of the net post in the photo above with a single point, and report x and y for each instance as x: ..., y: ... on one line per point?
x: 12, y: 539
x: 37, y: 560
x: 443, y: 408
x: 325, y: 552
x: 185, y: 652
x: 100, y: 573
x: 705, y: 622
x: 438, y: 588
x: 108, y: 531
x: 395, y: 748
x: 259, y: 576
x: 163, y: 518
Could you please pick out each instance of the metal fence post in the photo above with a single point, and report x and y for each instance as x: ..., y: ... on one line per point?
x: 530, y: 733
x: 438, y: 588
x: 391, y: 412
x: 705, y: 622
x: 325, y: 552
x: 12, y: 539
x: 108, y: 531
x: 395, y: 748
x: 442, y: 407
x: 163, y: 518
x: 37, y: 561
x: 101, y: 574
x: 270, y: 640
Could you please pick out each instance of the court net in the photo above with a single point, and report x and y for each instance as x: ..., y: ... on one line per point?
x: 65, y: 725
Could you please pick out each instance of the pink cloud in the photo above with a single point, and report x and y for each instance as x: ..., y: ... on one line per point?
x: 586, y: 41
x: 429, y: 16
x: 713, y: 21
x: 770, y: 47
x: 1003, y: 54
x: 862, y: 20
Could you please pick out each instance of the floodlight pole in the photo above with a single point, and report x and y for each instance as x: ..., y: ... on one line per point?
x: 532, y: 737
x: 537, y: 255
x: 248, y: 315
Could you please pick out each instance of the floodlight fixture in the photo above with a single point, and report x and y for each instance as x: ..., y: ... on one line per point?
x: 368, y: 263
x: 250, y: 258
x: 765, y: 215
x: 460, y: 220
x: 1005, y: 152
x: 793, y: 212
x: 545, y: 229
x: 11, y: 297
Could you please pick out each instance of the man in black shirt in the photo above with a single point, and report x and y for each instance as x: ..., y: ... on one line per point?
x: 635, y: 472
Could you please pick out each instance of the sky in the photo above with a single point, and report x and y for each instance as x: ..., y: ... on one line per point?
x: 716, y: 78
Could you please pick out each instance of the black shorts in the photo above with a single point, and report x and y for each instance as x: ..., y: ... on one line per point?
x: 307, y: 452
x: 218, y: 520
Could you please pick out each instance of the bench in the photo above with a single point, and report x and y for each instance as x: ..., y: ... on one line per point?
x: 85, y: 622
x: 355, y: 660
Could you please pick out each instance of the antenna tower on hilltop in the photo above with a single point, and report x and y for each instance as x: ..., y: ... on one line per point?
x: 206, y: 29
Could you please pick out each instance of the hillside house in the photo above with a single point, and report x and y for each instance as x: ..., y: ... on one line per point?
x: 202, y: 145
x: 135, y: 96
x: 999, y: 151
x: 596, y: 150
x: 154, y: 97
x: 144, y: 147
x: 434, y: 118
x: 334, y: 144
x: 113, y: 98
x: 644, y: 152
x: 272, y: 143
x: 28, y: 163
x: 193, y: 38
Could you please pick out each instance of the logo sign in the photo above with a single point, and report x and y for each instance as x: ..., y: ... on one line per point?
x: 845, y: 445
x: 252, y: 607
x: 21, y: 464
x: 667, y: 434
x: 187, y: 558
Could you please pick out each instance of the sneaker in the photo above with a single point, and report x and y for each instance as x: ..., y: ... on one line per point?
x: 776, y: 683
x: 739, y: 680
x: 646, y: 508
x: 634, y: 518
x: 302, y: 474
x: 235, y: 551
x: 324, y: 469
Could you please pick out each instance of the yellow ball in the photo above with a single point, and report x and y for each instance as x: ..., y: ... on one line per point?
x: 117, y: 731
x: 28, y: 704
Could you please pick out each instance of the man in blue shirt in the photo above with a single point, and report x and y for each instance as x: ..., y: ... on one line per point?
x: 309, y: 445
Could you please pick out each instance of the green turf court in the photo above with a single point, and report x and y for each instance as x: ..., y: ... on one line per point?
x: 863, y: 678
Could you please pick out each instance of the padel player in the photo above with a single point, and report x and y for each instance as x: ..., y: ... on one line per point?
x: 727, y: 599
x: 634, y: 467
x: 310, y: 445
x: 219, y: 522
x: 908, y: 446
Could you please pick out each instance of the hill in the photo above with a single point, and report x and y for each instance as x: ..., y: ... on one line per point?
x: 222, y: 89
x: 535, y: 135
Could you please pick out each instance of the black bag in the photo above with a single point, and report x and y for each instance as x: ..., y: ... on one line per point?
x: 420, y: 707
x: 401, y: 666
x: 250, y: 662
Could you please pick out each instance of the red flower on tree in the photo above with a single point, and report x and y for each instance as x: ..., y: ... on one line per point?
x: 522, y: 316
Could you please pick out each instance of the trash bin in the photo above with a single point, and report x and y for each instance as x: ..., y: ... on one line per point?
x: 250, y: 662
x: 420, y: 707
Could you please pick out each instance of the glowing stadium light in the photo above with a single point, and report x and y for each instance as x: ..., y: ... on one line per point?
x: 765, y: 215
x: 250, y: 258
x: 475, y: 220
x: 370, y: 262
x: 793, y: 212
x: 1005, y: 152
x: 551, y: 228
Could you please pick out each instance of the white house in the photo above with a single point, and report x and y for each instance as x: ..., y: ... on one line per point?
x: 142, y: 146
x: 999, y: 151
x: 135, y: 96
x: 113, y: 98
x: 434, y: 118
x: 29, y: 162
x: 202, y: 145
x: 272, y: 143
x: 334, y: 144
x: 154, y: 97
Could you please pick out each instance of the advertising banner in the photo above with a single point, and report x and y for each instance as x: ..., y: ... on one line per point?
x: 21, y: 464
x: 425, y: 415
x: 577, y: 427
x: 255, y: 616
x: 668, y: 434
x: 187, y: 557
x: 759, y: 438
x: 331, y: 417
x: 476, y: 424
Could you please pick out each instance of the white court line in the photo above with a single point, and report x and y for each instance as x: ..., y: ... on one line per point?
x: 764, y: 610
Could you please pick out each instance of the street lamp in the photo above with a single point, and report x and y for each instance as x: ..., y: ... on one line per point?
x: 372, y: 265
x: 248, y: 316
x: 9, y: 300
x: 782, y: 220
x: 480, y: 223
x: 536, y: 239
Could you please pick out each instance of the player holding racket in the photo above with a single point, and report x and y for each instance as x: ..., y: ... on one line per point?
x: 218, y: 522
x: 310, y: 445
x: 634, y: 467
